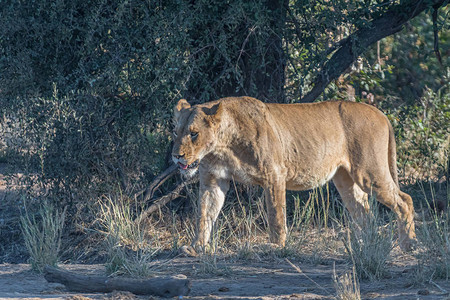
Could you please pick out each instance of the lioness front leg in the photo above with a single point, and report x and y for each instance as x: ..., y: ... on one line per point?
x: 275, y: 197
x: 211, y: 198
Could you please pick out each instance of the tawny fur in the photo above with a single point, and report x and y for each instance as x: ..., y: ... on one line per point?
x: 289, y: 146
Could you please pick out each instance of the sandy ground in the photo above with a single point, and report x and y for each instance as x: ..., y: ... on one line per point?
x: 239, y: 280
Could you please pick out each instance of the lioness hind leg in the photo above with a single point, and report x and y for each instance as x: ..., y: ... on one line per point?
x: 380, y: 182
x: 275, y: 197
x: 402, y: 205
x: 354, y: 198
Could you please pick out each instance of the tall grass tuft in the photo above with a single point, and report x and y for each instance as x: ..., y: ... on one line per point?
x: 369, y: 248
x: 347, y: 285
x: 312, y: 232
x: 42, y: 234
x: 434, y: 240
x: 129, y: 248
x: 316, y: 211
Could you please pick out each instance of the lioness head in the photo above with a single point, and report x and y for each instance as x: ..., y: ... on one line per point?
x: 194, y: 134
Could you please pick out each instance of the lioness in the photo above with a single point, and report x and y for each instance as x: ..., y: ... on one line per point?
x: 289, y: 146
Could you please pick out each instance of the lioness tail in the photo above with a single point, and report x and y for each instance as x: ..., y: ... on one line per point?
x: 392, y: 154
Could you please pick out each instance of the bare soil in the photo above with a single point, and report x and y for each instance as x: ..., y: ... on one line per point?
x: 274, y: 279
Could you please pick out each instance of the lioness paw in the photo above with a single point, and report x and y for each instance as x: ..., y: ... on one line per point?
x: 188, y: 251
x: 408, y: 245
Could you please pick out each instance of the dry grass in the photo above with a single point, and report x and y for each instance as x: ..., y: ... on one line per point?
x: 130, y: 249
x: 42, y: 235
x: 212, y: 264
x: 241, y: 230
x: 369, y: 248
x: 347, y: 285
x: 434, y: 240
x: 316, y: 231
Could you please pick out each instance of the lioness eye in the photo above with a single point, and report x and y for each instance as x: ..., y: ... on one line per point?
x: 194, y: 135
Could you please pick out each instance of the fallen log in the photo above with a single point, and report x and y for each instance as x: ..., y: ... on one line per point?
x: 171, y: 286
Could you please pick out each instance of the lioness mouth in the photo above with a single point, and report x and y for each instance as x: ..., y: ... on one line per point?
x: 191, y: 166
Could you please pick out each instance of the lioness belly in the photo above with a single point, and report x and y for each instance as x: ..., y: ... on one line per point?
x: 311, y: 179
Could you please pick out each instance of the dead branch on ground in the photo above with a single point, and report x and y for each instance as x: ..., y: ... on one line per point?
x: 171, y: 286
x: 158, y: 203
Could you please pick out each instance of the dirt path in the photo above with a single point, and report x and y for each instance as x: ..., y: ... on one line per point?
x: 240, y: 280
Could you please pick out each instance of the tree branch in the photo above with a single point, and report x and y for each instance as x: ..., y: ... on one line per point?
x: 350, y: 48
x: 157, y: 182
x: 158, y: 203
x: 435, y: 32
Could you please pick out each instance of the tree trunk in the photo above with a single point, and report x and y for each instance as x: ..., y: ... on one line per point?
x: 255, y: 68
x: 270, y: 80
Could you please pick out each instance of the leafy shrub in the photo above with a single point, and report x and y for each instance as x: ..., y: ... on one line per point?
x: 423, y: 135
x: 89, y: 89
x: 69, y: 150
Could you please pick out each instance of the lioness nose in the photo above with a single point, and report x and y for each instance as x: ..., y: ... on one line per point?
x: 178, y: 156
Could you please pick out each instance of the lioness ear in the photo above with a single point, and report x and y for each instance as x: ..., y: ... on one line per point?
x: 181, y: 105
x: 214, y: 114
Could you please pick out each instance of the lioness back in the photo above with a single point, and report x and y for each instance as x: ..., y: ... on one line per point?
x: 309, y: 142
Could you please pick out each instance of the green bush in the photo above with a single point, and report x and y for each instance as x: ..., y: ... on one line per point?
x: 423, y: 135
x: 72, y: 145
x: 89, y: 88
